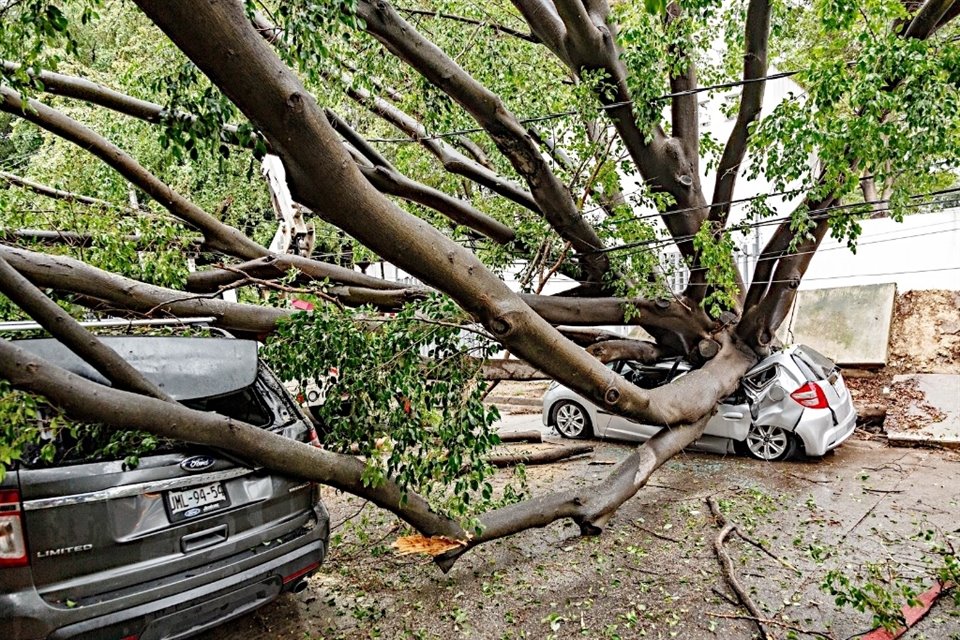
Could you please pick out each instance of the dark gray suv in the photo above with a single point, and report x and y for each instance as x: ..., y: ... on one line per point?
x: 187, y: 539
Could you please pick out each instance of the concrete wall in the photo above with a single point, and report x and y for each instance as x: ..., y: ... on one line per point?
x: 850, y: 325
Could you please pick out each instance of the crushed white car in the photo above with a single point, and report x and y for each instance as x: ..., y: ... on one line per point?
x: 794, y: 399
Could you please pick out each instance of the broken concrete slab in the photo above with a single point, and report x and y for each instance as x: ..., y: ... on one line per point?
x: 850, y: 325
x: 924, y: 409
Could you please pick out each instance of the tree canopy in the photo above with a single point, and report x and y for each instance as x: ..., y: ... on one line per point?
x: 461, y: 141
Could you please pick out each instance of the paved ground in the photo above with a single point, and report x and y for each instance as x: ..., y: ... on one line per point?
x: 653, y: 573
x: 930, y: 412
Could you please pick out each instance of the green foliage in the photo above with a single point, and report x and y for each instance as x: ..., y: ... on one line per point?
x: 33, y: 432
x: 884, y: 588
x: 37, y: 34
x: 715, y: 248
x: 873, y: 590
x: 19, y: 427
x: 875, y: 104
x: 402, y: 391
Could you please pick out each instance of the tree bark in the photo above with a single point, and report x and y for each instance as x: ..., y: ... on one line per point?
x: 68, y: 331
x: 639, y: 350
x: 225, y: 46
x: 88, y: 401
x: 511, y: 138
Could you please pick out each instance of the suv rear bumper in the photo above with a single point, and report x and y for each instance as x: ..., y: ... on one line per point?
x: 229, y: 591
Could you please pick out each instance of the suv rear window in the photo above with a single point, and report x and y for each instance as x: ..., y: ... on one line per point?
x: 244, y: 405
x: 83, y: 443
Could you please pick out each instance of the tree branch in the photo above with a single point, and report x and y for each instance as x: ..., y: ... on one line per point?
x: 68, y: 331
x: 95, y: 286
x: 94, y: 93
x: 726, y: 566
x: 552, y: 197
x: 639, y: 350
x: 756, y: 37
x: 928, y: 19
x: 85, y: 400
x: 684, y: 109
x: 216, y: 234
x: 457, y: 210
x: 544, y: 21
x: 529, y: 37
x: 58, y: 194
x: 590, y: 506
x: 751, y: 101
x: 451, y: 159
x: 760, y: 322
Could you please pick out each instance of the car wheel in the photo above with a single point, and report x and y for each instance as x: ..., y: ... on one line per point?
x: 572, y: 420
x: 766, y: 442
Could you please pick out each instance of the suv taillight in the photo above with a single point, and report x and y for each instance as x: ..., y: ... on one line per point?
x: 811, y: 396
x: 13, y: 544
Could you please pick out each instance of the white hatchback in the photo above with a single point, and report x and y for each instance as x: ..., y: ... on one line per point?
x: 794, y: 398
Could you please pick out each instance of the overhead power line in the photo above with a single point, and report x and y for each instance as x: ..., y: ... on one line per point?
x: 817, y: 213
x: 606, y: 107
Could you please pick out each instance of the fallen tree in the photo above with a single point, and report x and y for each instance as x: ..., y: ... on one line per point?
x: 248, y: 69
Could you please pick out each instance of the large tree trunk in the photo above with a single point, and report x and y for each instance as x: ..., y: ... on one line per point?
x: 226, y: 47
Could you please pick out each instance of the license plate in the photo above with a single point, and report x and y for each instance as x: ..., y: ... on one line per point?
x: 195, y: 501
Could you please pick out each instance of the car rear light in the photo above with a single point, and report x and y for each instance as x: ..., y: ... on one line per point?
x: 13, y: 544
x: 302, y: 572
x: 811, y: 396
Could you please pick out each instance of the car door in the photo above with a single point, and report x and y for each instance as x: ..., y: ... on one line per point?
x: 732, y: 419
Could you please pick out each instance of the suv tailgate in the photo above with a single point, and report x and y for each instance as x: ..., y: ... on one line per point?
x: 94, y: 529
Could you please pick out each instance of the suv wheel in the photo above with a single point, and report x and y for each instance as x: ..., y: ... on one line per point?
x: 572, y: 420
x: 770, y: 443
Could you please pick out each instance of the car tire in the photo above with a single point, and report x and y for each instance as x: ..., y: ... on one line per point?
x: 768, y: 443
x: 571, y: 420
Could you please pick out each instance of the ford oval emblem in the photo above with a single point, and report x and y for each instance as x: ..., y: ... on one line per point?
x: 193, y: 512
x: 195, y: 464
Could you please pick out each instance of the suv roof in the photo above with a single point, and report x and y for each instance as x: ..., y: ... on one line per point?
x: 181, y: 366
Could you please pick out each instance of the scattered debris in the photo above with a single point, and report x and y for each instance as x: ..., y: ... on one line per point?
x: 533, y: 437
x: 541, y: 457
x: 909, y: 404
x: 726, y: 566
x: 912, y: 615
